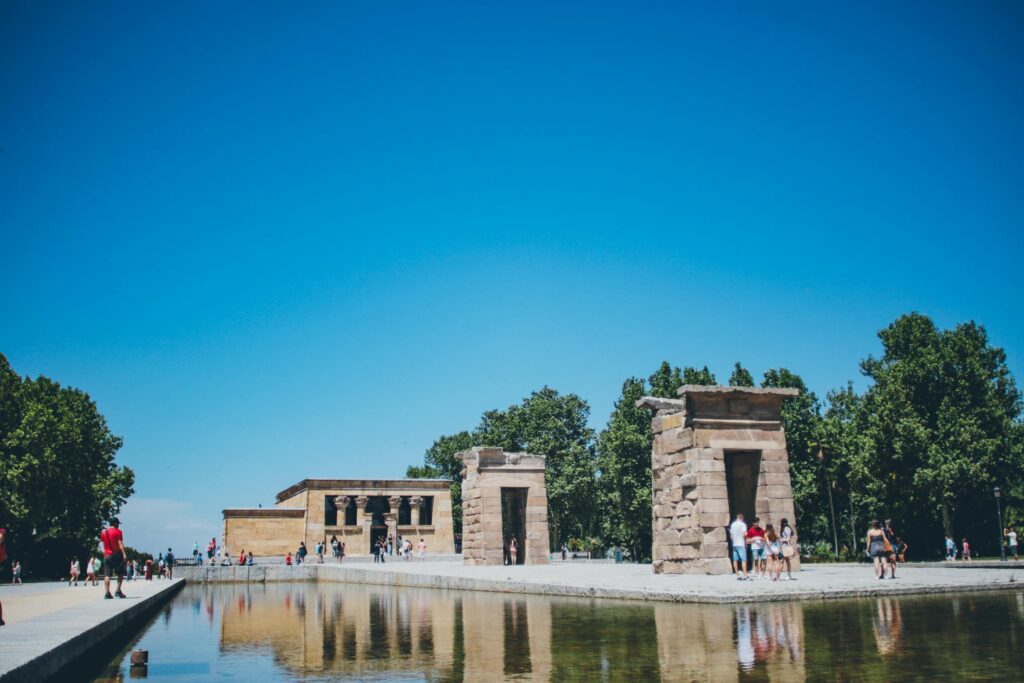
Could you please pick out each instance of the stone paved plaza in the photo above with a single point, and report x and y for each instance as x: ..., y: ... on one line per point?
x: 636, y: 581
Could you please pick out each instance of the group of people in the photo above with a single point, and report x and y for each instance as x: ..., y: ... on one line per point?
x: 769, y: 550
x: 885, y: 548
x: 385, y: 547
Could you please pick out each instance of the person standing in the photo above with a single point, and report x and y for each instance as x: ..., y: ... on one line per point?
x: 755, y: 539
x: 966, y: 555
x: 738, y: 536
x: 513, y: 550
x: 288, y: 559
x: 169, y: 559
x: 1011, y: 537
x: 893, y: 543
x: 249, y: 559
x: 787, y: 537
x: 17, y: 573
x: 341, y: 552
x: 876, y: 548
x: 950, y: 548
x: 422, y: 553
x: 76, y: 569
x: 774, y: 551
x: 113, y: 557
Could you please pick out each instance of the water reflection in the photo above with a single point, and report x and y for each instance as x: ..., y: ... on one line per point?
x: 335, y: 631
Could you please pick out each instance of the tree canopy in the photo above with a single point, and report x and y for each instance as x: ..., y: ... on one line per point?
x: 57, y: 470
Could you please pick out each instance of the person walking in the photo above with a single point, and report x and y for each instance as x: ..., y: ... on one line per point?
x: 90, y: 571
x: 513, y: 550
x: 787, y: 537
x: 169, y: 560
x: 341, y: 552
x: 892, y: 543
x: 75, y: 571
x: 1011, y: 537
x: 375, y: 549
x: 422, y: 551
x: 16, y: 571
x: 876, y: 548
x: 738, y: 537
x: 241, y: 558
x: 249, y: 559
x: 966, y: 555
x: 950, y: 548
x: 113, y: 557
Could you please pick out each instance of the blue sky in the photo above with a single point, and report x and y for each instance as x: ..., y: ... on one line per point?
x: 283, y: 242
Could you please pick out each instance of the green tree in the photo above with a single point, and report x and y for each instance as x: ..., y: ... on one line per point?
x: 800, y: 416
x: 57, y: 470
x: 665, y: 381
x: 439, y: 462
x: 741, y: 377
x: 942, y: 423
x: 703, y: 376
x: 624, y: 462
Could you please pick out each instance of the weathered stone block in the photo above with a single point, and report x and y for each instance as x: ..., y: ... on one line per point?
x: 714, y: 550
x: 691, y: 536
x: 682, y: 552
x: 714, y: 505
x: 717, y: 535
x: 676, y: 439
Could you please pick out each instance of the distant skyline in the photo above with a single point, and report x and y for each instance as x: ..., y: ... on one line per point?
x: 276, y: 242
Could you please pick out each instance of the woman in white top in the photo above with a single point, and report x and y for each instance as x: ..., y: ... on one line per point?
x: 788, y: 539
x: 76, y: 569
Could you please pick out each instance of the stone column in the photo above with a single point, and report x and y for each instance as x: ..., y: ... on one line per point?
x: 364, y: 518
x: 392, y: 517
x: 414, y: 510
x: 341, y: 503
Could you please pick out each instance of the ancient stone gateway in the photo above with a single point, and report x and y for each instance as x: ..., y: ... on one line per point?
x: 503, y: 496
x: 717, y: 451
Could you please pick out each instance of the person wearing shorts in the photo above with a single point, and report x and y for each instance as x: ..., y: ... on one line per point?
x: 737, y: 536
x: 758, y: 553
x: 113, y: 557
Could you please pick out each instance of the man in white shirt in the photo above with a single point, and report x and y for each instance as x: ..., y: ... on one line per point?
x: 1011, y: 537
x: 738, y: 533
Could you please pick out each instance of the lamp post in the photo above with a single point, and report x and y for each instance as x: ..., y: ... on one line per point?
x: 999, y: 515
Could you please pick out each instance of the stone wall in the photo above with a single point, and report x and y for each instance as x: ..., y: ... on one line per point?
x: 487, y: 471
x: 690, y: 495
x: 264, y: 532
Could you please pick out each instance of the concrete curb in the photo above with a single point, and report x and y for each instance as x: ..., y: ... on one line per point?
x: 357, y: 575
x: 41, y: 648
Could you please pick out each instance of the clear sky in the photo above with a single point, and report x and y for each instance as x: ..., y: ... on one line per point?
x: 288, y: 240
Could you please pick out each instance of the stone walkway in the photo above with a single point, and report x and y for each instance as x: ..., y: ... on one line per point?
x: 51, y: 624
x: 630, y: 581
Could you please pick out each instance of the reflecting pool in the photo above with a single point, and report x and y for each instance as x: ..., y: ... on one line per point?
x: 332, y: 631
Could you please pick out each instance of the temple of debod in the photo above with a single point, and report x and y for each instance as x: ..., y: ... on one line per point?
x: 717, y: 451
x: 358, y: 511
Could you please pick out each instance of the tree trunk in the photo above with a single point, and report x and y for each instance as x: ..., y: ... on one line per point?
x: 947, y: 518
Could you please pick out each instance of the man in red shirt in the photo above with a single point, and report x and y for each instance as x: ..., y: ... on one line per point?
x: 755, y: 539
x: 113, y: 556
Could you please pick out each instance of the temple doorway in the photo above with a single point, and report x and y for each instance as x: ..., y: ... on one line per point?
x: 513, y: 521
x: 742, y: 469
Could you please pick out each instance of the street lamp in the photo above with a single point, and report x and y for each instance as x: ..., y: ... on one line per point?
x: 999, y: 514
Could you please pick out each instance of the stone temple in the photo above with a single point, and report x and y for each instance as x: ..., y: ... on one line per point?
x: 357, y: 511
x: 717, y: 451
x: 503, y: 496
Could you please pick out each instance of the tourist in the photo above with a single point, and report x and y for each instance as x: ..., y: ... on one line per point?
x: 399, y: 544
x: 966, y: 555
x: 320, y: 552
x: 132, y: 566
x: 876, y: 548
x: 90, y: 571
x: 148, y: 569
x: 76, y: 569
x: 1011, y: 537
x: 199, y: 560
x: 407, y: 549
x: 195, y: 551
x: 288, y: 559
x: 513, y: 550
x: 3, y: 558
x: 901, y: 549
x: 16, y: 571
x: 226, y: 561
x: 774, y: 552
x: 114, y: 557
x: 341, y: 552
x: 893, y: 545
x: 249, y: 559
x: 335, y: 548
x: 302, y: 552
x: 738, y: 536
x: 241, y: 557
x: 950, y: 548
x: 169, y: 561
x: 458, y: 543
x: 211, y: 550
x: 565, y: 552
x: 422, y: 551
x: 755, y: 539
x: 788, y: 539
x: 384, y: 546
x: 391, y: 545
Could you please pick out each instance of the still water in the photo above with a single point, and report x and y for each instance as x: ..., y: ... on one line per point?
x: 327, y: 631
